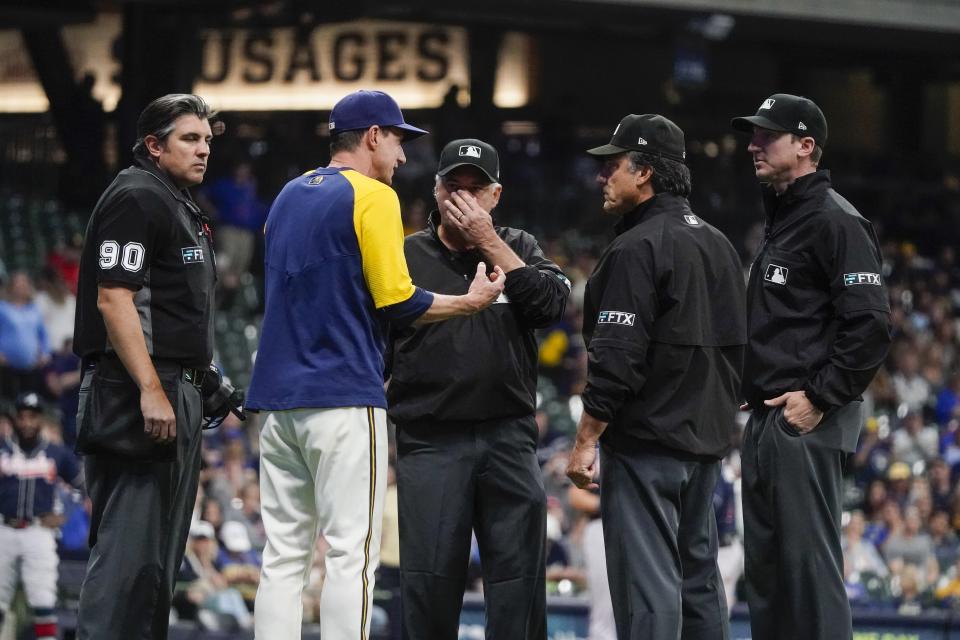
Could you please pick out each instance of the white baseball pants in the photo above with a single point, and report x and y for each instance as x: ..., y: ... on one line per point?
x: 321, y: 470
x: 35, y: 547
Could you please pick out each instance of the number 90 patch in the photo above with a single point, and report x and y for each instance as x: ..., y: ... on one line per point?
x: 131, y: 258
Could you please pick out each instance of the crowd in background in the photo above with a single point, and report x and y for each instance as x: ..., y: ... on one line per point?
x: 902, y: 504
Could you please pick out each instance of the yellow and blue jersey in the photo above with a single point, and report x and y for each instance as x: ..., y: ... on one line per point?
x: 335, y: 277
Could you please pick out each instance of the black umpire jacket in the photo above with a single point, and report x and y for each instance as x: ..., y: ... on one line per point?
x: 484, y: 366
x: 818, y: 313
x: 664, y: 326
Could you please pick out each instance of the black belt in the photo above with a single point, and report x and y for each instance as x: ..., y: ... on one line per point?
x: 192, y: 375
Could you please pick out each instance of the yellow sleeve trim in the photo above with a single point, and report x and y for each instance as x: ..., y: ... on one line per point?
x: 379, y: 229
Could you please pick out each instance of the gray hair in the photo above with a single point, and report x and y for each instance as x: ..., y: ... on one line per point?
x: 160, y: 116
x: 669, y: 175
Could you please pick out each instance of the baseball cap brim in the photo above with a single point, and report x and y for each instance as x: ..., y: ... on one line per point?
x: 447, y: 170
x: 747, y: 123
x: 412, y: 132
x: 607, y: 150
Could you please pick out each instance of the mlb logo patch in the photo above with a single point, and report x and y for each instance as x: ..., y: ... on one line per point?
x: 776, y: 274
x: 469, y: 150
x: 315, y: 180
x: 768, y: 103
x: 192, y: 255
x: 691, y: 220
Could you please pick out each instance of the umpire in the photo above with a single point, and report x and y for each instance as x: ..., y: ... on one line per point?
x: 144, y: 324
x: 819, y: 329
x: 663, y: 324
x: 462, y: 394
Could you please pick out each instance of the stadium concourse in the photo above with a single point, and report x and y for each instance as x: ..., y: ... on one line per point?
x: 902, y: 505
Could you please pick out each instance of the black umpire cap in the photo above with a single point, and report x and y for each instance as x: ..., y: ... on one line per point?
x: 792, y: 114
x: 648, y: 133
x: 473, y: 152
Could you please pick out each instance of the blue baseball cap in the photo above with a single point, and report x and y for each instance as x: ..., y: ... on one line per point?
x: 364, y: 109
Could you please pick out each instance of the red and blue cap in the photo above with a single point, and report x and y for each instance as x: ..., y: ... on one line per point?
x: 364, y: 109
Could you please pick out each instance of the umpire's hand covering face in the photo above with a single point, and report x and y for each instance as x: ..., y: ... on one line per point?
x: 465, y: 199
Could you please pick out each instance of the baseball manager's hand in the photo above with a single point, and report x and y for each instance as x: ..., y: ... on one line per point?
x: 484, y: 289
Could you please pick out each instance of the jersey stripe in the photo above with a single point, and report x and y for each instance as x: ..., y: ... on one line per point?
x: 366, y: 545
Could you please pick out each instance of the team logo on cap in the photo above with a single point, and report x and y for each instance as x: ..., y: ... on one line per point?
x: 641, y: 141
x: 333, y: 125
x: 470, y: 150
x: 802, y: 127
x: 768, y: 103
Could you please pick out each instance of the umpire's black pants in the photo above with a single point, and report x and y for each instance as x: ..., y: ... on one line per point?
x: 139, y: 525
x: 792, y: 493
x: 456, y: 477
x: 660, y: 535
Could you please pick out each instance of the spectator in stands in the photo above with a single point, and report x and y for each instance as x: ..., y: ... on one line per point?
x: 57, y: 306
x: 558, y: 560
x: 887, y: 520
x: 206, y: 588
x: 946, y: 547
x: 912, y: 389
x: 948, y: 589
x: 911, y: 600
x: 910, y: 546
x: 948, y: 400
x: 63, y: 378
x: 65, y: 260
x: 24, y: 346
x: 250, y: 510
x: 898, y: 486
x: 212, y: 511
x: 941, y: 487
x: 913, y: 442
x: 872, y: 457
x: 233, y: 202
x: 921, y: 498
x: 237, y: 561
x: 876, y: 497
x: 951, y: 453
x: 860, y: 555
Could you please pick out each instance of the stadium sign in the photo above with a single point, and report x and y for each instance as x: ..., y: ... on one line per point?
x: 288, y: 68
